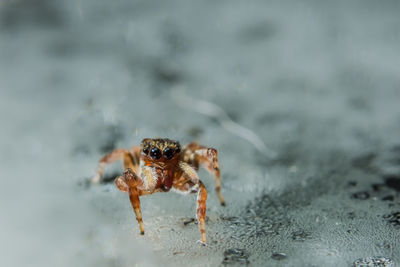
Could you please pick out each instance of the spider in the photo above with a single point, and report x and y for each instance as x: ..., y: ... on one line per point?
x: 159, y: 165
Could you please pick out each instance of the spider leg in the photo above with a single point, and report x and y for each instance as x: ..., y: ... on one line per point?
x: 189, y: 183
x: 201, y: 210
x: 129, y: 163
x: 201, y: 191
x: 130, y: 183
x: 196, y: 155
x: 118, y: 154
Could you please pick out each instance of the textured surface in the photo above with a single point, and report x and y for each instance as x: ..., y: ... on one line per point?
x: 316, y: 83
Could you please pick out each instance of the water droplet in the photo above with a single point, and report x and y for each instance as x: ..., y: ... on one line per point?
x: 278, y: 256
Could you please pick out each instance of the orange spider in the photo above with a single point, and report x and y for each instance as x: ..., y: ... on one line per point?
x: 158, y: 165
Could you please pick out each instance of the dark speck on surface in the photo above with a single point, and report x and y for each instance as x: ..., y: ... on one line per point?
x: 361, y: 195
x: 393, y: 182
x: 301, y: 235
x: 187, y: 221
x: 235, y: 256
x: 393, y: 218
x: 388, y: 198
x: 351, y: 215
x: 352, y: 183
x: 377, y: 187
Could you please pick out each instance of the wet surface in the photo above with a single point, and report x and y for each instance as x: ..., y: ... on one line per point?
x: 299, y: 99
x: 393, y: 219
x: 374, y: 262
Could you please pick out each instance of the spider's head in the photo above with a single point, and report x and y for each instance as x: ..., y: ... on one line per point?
x: 160, y: 149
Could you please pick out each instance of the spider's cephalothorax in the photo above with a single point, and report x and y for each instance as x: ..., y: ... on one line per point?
x: 161, y: 164
x: 159, y: 158
x: 160, y: 149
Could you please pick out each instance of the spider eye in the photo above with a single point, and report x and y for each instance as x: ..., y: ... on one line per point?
x: 168, y: 153
x: 146, y: 150
x: 155, y: 153
x: 178, y: 149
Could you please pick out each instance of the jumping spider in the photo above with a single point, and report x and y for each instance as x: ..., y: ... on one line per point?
x: 158, y: 165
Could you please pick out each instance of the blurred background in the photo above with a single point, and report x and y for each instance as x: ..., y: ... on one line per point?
x: 300, y: 98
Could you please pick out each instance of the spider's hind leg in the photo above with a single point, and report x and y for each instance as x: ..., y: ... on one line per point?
x: 196, y: 155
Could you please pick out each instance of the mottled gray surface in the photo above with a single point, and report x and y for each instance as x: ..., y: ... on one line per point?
x: 317, y: 81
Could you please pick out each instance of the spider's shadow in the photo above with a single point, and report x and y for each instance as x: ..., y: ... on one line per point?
x: 106, y: 179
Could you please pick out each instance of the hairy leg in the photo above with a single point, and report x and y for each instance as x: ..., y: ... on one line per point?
x: 196, y: 155
x: 199, y: 188
x: 188, y: 182
x: 130, y: 183
x: 118, y: 154
x: 201, y: 210
x: 129, y: 163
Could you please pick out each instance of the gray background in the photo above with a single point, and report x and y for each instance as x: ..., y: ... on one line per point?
x: 301, y: 99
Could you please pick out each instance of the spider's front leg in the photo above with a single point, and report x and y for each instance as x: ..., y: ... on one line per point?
x: 196, y: 155
x: 201, y: 210
x: 130, y: 183
x: 189, y: 183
